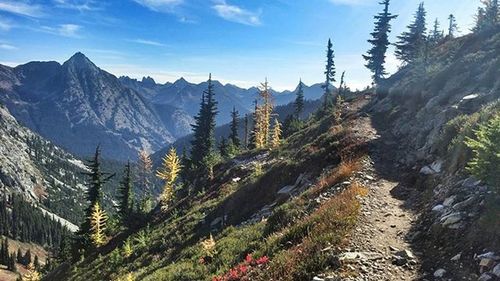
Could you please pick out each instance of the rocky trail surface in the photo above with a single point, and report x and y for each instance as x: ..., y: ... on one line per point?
x: 380, y: 247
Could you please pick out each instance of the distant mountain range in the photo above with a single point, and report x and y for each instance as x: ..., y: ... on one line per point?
x: 78, y: 106
x: 186, y: 96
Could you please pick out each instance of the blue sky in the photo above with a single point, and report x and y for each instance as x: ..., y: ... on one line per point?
x: 240, y: 42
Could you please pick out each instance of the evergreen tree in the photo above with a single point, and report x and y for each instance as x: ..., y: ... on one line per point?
x: 27, y: 258
x: 223, y: 148
x: 342, y: 84
x: 299, y: 100
x: 203, y: 143
x: 276, y: 137
x: 412, y: 43
x: 98, y: 225
x: 452, y: 26
x: 233, y: 136
x: 246, y: 133
x: 12, y: 263
x: 255, y: 139
x: 125, y: 196
x: 376, y: 55
x: 487, y: 16
x: 19, y: 256
x: 36, y: 263
x: 491, y: 14
x: 3, y: 259
x: 480, y: 20
x: 168, y: 173
x: 329, y: 74
x: 94, y: 196
x: 436, y: 35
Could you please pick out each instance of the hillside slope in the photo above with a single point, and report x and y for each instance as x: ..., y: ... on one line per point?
x: 41, y: 172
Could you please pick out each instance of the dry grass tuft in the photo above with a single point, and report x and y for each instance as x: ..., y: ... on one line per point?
x: 337, y: 175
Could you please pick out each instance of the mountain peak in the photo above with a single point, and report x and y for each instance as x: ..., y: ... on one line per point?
x: 80, y: 61
x: 181, y: 82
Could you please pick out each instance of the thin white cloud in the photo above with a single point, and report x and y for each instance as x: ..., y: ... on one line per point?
x: 5, y: 25
x: 69, y: 30
x: 236, y: 14
x: 7, y: 47
x: 66, y: 30
x: 148, y: 42
x: 80, y: 5
x: 160, y: 5
x: 21, y: 8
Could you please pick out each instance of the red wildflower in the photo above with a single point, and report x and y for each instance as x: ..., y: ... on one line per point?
x: 262, y: 260
x: 248, y: 258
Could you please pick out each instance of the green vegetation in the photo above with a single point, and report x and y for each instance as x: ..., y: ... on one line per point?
x: 485, y: 147
x: 462, y: 130
x: 380, y: 40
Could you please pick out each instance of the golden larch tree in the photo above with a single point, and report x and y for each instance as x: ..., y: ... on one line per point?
x: 267, y: 109
x: 145, y: 166
x: 31, y: 274
x: 169, y: 172
x: 276, y: 138
x: 98, y: 225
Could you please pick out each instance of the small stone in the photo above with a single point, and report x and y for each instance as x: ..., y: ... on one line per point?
x: 316, y: 278
x: 496, y: 270
x: 407, y: 254
x: 456, y: 257
x: 471, y: 182
x: 438, y: 208
x: 399, y: 261
x: 449, y: 201
x: 394, y: 249
x: 451, y: 219
x: 439, y: 273
x: 485, y: 277
x: 486, y: 263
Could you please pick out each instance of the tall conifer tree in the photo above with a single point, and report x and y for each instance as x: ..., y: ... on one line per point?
x: 299, y: 100
x: 203, y: 143
x: 94, y: 196
x: 380, y: 40
x: 233, y: 136
x: 452, y: 26
x: 125, y: 196
x: 436, y: 35
x: 329, y: 74
x: 412, y: 43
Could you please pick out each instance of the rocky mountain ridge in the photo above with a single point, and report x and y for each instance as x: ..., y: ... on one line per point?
x: 44, y: 174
